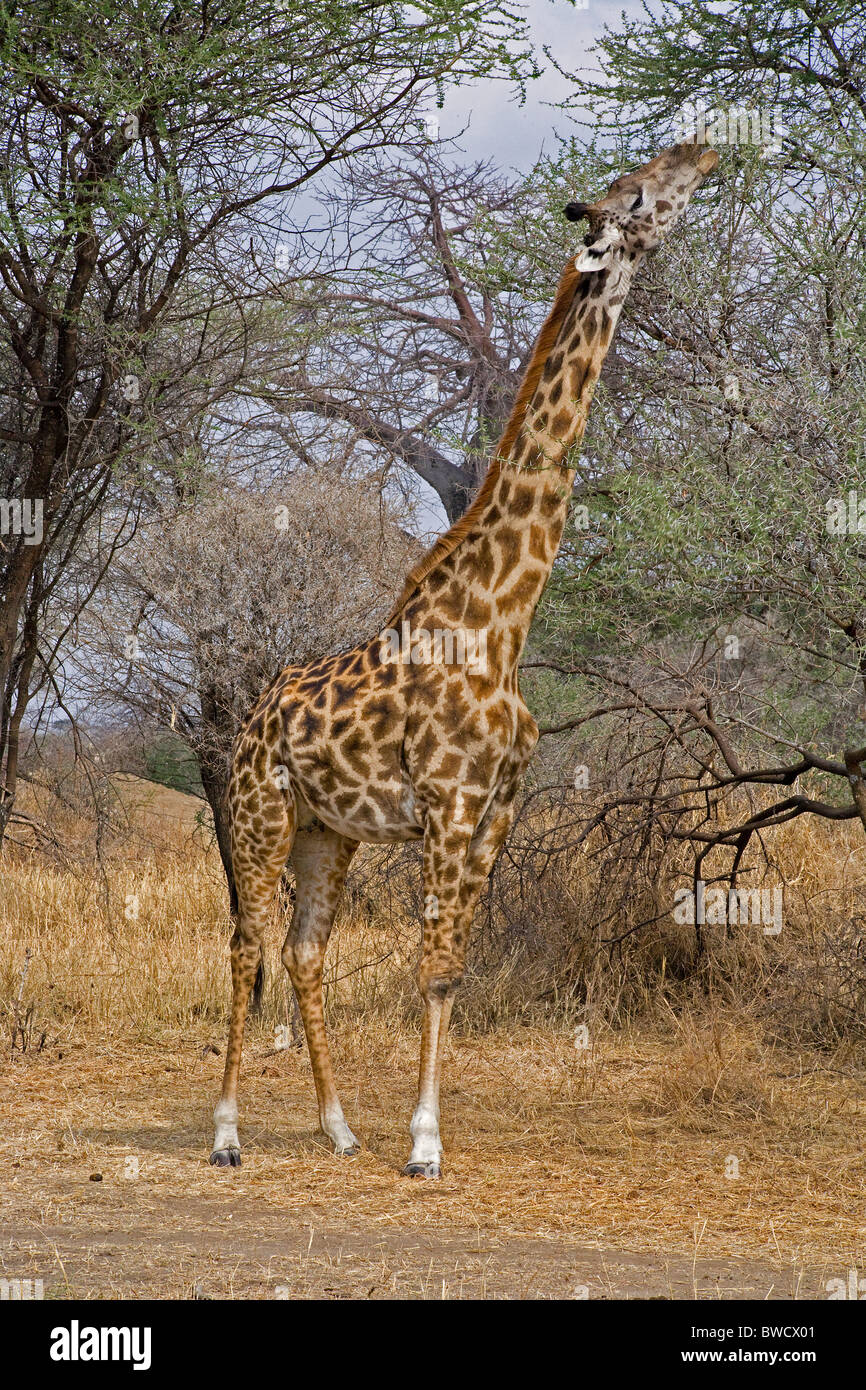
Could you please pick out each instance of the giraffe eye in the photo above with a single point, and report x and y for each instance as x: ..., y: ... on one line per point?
x: 637, y: 202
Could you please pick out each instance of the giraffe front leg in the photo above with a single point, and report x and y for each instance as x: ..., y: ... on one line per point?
x: 446, y: 936
x: 425, y: 1160
x: 446, y: 844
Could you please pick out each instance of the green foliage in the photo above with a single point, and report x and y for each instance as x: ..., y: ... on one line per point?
x: 170, y: 762
x: 721, y: 501
x: 804, y: 62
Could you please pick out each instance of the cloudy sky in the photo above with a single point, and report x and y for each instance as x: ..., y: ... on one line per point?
x: 496, y: 127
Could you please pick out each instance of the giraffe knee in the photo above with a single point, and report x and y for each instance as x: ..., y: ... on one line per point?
x: 246, y: 938
x: 247, y: 955
x: 439, y: 975
x: 302, y: 957
x: 288, y: 957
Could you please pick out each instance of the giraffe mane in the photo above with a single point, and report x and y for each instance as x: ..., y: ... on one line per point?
x: 449, y: 541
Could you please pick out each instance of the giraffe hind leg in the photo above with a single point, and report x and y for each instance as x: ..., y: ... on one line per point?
x: 320, y: 859
x: 259, y: 856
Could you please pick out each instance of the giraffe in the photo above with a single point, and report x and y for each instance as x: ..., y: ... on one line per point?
x: 421, y: 733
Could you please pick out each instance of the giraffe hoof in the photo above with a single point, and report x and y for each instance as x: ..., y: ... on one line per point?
x: 226, y: 1158
x: 350, y: 1152
x: 422, y: 1170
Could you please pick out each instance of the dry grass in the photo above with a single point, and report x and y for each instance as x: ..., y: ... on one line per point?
x: 624, y: 1147
x: 560, y: 1157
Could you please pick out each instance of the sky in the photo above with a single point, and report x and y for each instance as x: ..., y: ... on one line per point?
x: 496, y: 127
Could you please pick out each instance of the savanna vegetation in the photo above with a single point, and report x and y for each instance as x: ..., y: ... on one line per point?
x: 258, y: 327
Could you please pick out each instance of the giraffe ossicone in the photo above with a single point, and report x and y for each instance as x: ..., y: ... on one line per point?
x: 354, y: 747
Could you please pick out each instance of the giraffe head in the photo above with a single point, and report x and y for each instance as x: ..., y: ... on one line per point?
x: 639, y: 209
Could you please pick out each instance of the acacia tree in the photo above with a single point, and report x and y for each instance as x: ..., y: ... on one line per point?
x: 411, y: 346
x: 145, y: 147
x: 709, y: 625
x: 805, y: 64
x: 414, y: 340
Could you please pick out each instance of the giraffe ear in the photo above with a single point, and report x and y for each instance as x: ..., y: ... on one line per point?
x: 599, y: 253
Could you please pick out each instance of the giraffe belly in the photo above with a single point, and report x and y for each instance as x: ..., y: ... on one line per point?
x: 382, y: 815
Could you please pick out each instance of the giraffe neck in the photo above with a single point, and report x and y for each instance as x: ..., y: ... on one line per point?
x: 521, y: 521
x: 489, y: 570
x: 554, y: 417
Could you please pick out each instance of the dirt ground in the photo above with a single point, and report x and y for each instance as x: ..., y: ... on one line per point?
x: 567, y: 1174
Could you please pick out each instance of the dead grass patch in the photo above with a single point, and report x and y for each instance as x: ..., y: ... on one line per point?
x: 596, y: 1106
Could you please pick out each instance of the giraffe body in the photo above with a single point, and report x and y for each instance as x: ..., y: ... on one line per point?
x: 410, y: 735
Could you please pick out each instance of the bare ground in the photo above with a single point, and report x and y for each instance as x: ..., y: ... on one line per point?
x: 567, y: 1175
